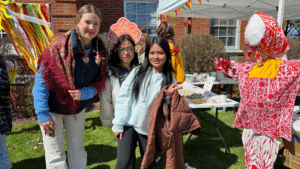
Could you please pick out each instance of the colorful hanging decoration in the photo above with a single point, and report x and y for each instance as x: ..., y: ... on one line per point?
x: 3, y: 12
x: 174, y: 13
x: 179, y: 9
x: 295, y: 25
x: 174, y: 24
x: 188, y: 5
x: 28, y: 29
x: 184, y: 23
x: 11, y: 71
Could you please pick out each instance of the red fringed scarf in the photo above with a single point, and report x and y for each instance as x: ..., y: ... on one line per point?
x: 58, y: 71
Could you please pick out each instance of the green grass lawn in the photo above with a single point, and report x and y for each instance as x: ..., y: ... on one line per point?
x: 27, y: 152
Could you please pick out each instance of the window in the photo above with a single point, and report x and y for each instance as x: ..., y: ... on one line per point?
x: 227, y: 31
x: 144, y: 14
x: 3, y: 35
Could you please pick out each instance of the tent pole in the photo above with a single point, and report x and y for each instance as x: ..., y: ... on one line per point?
x: 280, y: 12
x: 189, y: 26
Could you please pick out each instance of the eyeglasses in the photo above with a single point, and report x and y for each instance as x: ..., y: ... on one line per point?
x: 129, y: 50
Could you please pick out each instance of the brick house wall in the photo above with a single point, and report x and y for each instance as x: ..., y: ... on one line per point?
x: 63, y: 12
x: 179, y: 29
x: 199, y: 25
x: 111, y: 11
x: 243, y: 45
x: 23, y: 68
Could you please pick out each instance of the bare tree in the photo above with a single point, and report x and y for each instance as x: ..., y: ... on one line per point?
x: 6, y: 48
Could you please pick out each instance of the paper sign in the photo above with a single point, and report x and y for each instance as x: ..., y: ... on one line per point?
x: 207, y: 86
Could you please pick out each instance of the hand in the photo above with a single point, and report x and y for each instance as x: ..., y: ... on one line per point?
x: 169, y: 92
x: 49, y: 125
x: 76, y: 94
x: 138, y: 49
x: 117, y: 134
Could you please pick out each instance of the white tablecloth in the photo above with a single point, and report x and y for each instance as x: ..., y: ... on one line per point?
x: 223, y: 81
x: 229, y: 102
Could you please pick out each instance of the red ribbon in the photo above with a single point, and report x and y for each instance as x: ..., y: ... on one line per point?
x: 100, y: 55
x: 84, y: 54
x: 175, y: 50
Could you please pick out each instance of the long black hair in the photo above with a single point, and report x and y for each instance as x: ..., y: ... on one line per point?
x: 115, y: 59
x: 142, y: 72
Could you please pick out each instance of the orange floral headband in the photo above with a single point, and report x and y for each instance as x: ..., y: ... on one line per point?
x: 123, y: 26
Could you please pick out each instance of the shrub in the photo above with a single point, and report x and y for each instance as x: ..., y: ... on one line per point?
x: 27, y: 99
x: 294, y: 52
x: 22, y: 100
x: 5, y: 48
x: 199, y: 51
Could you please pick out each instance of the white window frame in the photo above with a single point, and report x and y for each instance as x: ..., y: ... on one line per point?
x: 2, y: 32
x: 237, y: 33
x: 145, y: 1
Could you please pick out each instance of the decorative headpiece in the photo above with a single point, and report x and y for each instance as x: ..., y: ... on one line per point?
x: 123, y: 26
x: 263, y: 34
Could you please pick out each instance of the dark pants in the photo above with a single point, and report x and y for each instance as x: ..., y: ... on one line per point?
x: 126, y: 148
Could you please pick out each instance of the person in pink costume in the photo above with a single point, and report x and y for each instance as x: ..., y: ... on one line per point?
x: 268, y: 90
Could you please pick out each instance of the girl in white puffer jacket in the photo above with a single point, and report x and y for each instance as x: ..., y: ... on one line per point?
x: 123, y: 60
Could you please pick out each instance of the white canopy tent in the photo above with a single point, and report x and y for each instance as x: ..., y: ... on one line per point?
x: 234, y: 9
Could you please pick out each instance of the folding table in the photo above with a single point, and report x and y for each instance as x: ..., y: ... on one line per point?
x: 215, y: 106
x: 225, y: 81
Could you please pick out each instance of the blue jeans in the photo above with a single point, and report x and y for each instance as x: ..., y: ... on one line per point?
x: 4, y: 156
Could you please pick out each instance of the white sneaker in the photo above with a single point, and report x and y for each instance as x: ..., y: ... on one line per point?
x: 188, y: 167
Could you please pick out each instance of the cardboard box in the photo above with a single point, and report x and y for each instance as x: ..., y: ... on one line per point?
x: 291, y: 154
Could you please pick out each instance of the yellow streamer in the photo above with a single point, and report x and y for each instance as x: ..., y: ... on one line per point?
x: 9, y: 30
x: 1, y: 16
x: 3, y: 9
x: 48, y: 34
x: 28, y: 28
x: 43, y: 36
x: 49, y: 31
x: 4, y: 2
